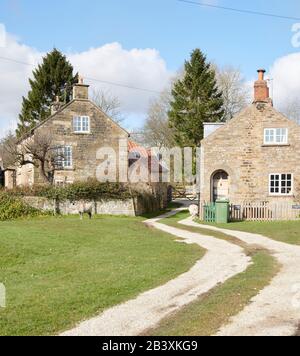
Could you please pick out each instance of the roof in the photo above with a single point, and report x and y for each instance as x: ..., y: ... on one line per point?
x: 134, y: 147
x: 152, y: 160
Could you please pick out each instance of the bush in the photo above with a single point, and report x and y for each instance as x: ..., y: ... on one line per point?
x: 13, y: 208
x: 89, y: 190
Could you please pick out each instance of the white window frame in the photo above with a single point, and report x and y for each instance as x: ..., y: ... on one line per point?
x: 273, y: 132
x: 81, y: 124
x: 69, y: 162
x: 280, y: 187
x: 62, y: 161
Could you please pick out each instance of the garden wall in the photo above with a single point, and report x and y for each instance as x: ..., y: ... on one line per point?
x: 129, y: 207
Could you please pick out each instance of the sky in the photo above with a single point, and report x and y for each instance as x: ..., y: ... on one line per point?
x: 142, y: 43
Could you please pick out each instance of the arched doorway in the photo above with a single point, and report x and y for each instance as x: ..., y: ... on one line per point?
x: 220, y: 186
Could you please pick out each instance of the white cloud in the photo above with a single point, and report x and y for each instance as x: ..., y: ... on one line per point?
x: 2, y: 35
x: 142, y: 68
x: 14, y: 80
x: 285, y: 73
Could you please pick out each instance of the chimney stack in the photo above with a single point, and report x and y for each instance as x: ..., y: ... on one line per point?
x: 261, y: 89
x: 81, y: 90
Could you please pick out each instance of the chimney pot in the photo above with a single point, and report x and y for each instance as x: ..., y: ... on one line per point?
x: 261, y: 74
x: 80, y: 79
x: 56, y: 105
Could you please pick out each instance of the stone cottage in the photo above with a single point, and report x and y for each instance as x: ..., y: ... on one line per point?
x: 93, y: 146
x: 79, y: 129
x: 255, y: 157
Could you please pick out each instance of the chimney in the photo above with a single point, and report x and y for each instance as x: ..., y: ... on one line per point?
x: 261, y: 89
x: 81, y: 90
x: 55, y: 106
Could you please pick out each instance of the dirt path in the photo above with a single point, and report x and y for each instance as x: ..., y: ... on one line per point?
x: 275, y: 311
x: 222, y: 261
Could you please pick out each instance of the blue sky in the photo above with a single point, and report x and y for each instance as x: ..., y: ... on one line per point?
x: 170, y: 27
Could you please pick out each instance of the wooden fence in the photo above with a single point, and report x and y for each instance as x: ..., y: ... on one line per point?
x: 265, y: 211
x: 260, y: 211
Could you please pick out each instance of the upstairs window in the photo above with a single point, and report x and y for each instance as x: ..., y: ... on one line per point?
x: 281, y: 184
x: 81, y: 124
x: 276, y: 136
x: 64, y: 157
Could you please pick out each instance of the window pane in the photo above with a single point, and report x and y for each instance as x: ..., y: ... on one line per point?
x: 77, y: 124
x: 85, y: 124
x: 68, y: 156
x: 281, y: 135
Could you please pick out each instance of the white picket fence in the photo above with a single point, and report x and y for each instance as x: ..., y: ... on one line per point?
x: 265, y: 211
x: 261, y: 211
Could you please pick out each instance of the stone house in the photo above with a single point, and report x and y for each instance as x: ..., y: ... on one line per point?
x: 255, y: 157
x: 79, y: 129
x: 93, y: 146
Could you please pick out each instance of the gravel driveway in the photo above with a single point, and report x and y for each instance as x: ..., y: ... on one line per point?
x: 275, y: 311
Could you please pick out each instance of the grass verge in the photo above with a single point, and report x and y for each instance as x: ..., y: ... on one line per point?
x: 283, y: 231
x: 60, y: 271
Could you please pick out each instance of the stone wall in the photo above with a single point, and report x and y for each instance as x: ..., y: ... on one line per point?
x: 129, y: 207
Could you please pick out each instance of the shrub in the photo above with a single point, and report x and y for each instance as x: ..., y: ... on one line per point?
x: 13, y: 208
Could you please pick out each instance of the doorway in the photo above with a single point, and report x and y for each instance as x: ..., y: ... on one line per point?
x: 220, y: 186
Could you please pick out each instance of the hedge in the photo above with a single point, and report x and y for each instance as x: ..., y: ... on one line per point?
x: 12, y: 207
x: 89, y: 190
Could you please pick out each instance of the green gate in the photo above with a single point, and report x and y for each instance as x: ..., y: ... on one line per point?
x: 210, y: 212
x: 217, y: 212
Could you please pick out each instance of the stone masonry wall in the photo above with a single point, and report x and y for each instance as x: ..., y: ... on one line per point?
x: 103, y: 133
x: 129, y: 207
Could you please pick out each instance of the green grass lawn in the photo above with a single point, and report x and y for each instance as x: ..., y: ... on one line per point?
x: 210, y: 312
x: 284, y: 231
x: 60, y: 271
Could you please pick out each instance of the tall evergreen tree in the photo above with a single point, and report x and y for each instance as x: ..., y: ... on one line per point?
x: 196, y: 99
x: 53, y: 77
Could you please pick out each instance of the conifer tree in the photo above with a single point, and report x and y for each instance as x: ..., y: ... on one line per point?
x: 195, y: 99
x: 53, y: 77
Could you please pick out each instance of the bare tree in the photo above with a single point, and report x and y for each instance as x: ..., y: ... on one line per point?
x: 109, y: 104
x: 157, y: 131
x: 236, y: 94
x: 7, y: 149
x: 38, y: 150
x: 291, y: 109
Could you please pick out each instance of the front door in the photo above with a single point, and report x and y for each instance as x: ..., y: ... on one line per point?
x: 220, y: 186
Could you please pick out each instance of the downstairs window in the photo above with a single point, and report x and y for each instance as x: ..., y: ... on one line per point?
x: 281, y: 184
